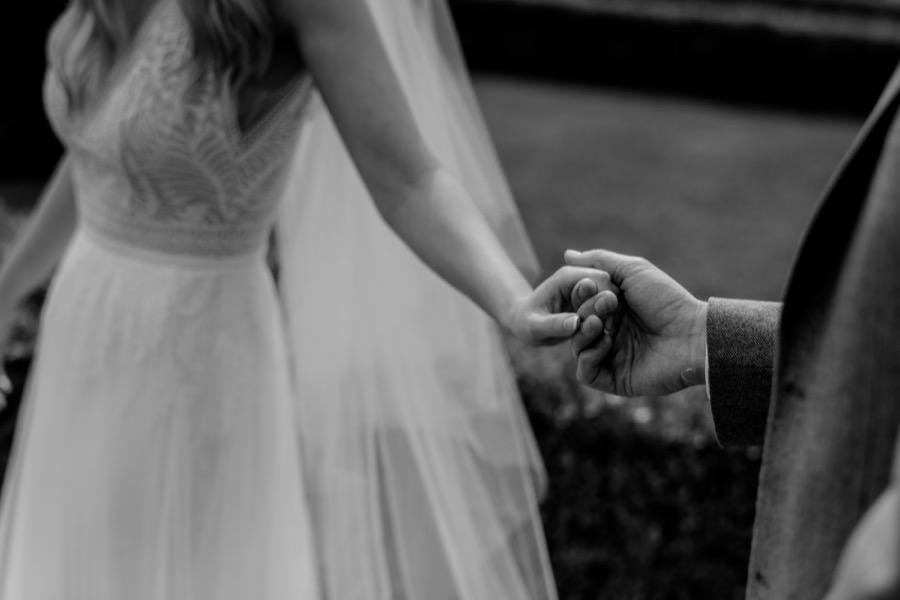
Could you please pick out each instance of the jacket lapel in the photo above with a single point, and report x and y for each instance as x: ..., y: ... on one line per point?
x: 825, y: 241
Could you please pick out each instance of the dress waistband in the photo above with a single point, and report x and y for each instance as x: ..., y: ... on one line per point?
x: 255, y: 256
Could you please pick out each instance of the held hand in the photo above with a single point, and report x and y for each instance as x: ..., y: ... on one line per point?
x: 656, y: 341
x: 546, y: 316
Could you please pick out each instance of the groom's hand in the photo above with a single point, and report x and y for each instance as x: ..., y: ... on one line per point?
x: 654, y: 343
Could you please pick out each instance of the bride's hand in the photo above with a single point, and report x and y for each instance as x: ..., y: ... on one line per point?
x: 546, y: 317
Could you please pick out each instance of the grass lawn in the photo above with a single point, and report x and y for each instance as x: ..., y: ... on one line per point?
x: 718, y: 197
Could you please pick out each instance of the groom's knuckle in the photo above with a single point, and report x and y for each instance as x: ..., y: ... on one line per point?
x: 638, y: 265
x: 642, y: 262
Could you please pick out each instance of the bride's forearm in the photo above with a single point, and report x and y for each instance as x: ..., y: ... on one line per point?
x: 439, y: 221
x: 30, y: 261
x: 344, y: 51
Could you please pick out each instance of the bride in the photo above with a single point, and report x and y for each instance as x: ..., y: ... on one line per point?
x: 156, y: 455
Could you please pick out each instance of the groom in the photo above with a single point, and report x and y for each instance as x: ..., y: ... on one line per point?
x: 815, y: 380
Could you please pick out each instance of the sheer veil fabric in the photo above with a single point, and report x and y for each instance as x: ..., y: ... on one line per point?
x: 422, y: 471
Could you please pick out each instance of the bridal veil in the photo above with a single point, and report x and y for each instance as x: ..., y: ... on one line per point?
x: 423, y: 474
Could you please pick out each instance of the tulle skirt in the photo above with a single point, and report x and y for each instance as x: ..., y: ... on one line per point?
x: 156, y: 457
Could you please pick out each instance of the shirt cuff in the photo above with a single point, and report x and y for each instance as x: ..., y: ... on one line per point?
x: 706, y: 372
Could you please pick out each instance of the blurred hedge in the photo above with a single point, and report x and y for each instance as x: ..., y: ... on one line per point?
x: 827, y: 56
x: 810, y: 55
x: 633, y: 515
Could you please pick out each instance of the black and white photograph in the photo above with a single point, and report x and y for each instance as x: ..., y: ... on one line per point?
x: 450, y: 300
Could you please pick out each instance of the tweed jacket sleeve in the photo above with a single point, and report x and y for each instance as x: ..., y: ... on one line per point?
x: 741, y: 338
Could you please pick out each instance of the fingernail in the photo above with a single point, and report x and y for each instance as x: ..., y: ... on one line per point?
x: 570, y: 251
x: 572, y: 323
x: 586, y: 288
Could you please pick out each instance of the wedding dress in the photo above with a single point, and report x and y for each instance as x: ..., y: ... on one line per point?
x: 156, y: 457
x: 422, y: 471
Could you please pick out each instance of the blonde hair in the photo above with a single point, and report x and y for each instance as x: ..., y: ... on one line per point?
x: 231, y: 39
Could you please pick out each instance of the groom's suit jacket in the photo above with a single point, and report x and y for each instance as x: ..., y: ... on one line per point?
x: 817, y: 382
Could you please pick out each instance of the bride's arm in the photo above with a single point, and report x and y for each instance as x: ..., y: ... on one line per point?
x: 417, y: 197
x: 31, y: 259
x: 35, y: 253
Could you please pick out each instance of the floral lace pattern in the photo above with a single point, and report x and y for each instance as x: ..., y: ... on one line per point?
x: 159, y: 160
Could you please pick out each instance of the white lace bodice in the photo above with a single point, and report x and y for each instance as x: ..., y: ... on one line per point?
x: 163, y: 165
